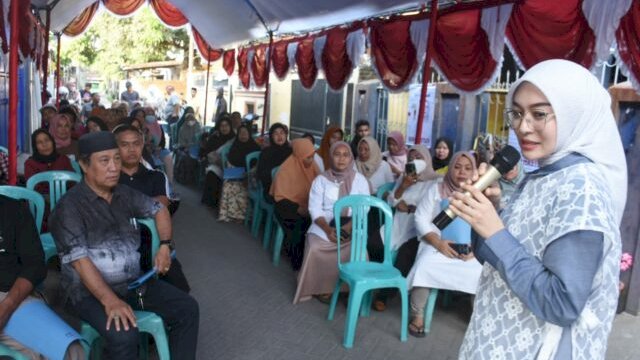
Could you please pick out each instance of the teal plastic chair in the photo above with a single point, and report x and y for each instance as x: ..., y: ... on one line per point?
x: 7, y: 351
x: 58, y: 183
x: 384, y: 188
x: 76, y: 167
x: 269, y: 217
x: 4, y: 150
x: 359, y: 273
x: 255, y: 193
x: 224, y: 154
x: 148, y: 323
x: 36, y: 206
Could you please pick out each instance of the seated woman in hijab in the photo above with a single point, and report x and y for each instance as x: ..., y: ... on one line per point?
x: 290, y: 190
x: 60, y: 129
x: 77, y: 129
x: 316, y: 158
x: 273, y: 155
x: 319, y: 271
x: 234, y: 197
x: 396, y: 155
x: 442, y: 153
x: 404, y: 198
x: 331, y: 136
x: 221, y: 135
x: 437, y: 263
x: 370, y: 164
x: 186, y: 155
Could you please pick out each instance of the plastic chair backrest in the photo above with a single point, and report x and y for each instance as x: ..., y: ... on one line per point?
x: 155, y: 237
x: 4, y: 150
x: 35, y: 199
x: 251, y: 157
x: 360, y: 205
x: 76, y: 167
x: 224, y: 153
x: 383, y: 189
x: 274, y: 171
x: 58, y: 181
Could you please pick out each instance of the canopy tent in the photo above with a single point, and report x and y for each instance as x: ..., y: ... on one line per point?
x: 464, y: 38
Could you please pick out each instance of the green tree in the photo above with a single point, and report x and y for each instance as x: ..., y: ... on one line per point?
x: 111, y: 43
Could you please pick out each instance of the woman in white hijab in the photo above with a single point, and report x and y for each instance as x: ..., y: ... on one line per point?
x: 549, y: 285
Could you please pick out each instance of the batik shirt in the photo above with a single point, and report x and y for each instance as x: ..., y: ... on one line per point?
x: 85, y: 225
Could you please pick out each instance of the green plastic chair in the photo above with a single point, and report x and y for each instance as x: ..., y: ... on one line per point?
x: 36, y: 206
x: 76, y: 167
x: 384, y: 188
x: 58, y: 183
x: 255, y: 193
x: 148, y: 322
x: 359, y: 273
x: 269, y: 217
x: 4, y: 150
x: 224, y: 154
x: 14, y: 354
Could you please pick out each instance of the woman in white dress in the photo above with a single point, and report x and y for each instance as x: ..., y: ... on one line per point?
x: 437, y: 264
x: 319, y: 271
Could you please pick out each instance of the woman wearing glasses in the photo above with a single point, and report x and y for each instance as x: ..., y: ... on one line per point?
x: 548, y: 289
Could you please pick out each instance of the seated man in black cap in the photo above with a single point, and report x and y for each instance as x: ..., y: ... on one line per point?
x: 152, y: 183
x: 98, y: 250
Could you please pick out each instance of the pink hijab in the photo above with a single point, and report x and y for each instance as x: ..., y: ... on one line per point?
x: 399, y: 139
x: 54, y: 123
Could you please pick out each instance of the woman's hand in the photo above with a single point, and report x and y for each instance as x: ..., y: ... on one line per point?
x: 493, y: 192
x: 402, y: 207
x: 408, y: 180
x: 443, y: 247
x: 477, y: 210
x: 467, y: 257
x: 395, y: 170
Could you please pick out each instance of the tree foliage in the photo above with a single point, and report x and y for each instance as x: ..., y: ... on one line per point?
x: 111, y: 42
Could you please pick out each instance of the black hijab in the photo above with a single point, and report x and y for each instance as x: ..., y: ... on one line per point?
x: 239, y: 150
x: 217, y: 138
x: 37, y: 156
x: 438, y: 163
x: 273, y: 155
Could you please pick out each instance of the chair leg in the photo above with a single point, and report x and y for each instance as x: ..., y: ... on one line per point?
x: 257, y: 217
x: 277, y: 244
x: 428, y: 311
x: 334, y: 299
x: 268, y: 222
x: 367, y: 300
x: 404, y: 299
x: 351, y: 322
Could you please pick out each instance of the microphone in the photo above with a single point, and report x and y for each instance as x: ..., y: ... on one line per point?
x: 501, y: 164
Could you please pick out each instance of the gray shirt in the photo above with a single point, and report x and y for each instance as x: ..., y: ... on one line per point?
x: 85, y: 225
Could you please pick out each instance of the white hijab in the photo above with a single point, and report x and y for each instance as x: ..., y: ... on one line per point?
x: 584, y: 120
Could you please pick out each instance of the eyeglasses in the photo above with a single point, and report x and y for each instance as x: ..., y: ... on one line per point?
x: 536, y: 121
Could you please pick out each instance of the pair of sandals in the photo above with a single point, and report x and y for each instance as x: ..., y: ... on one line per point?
x: 416, y: 331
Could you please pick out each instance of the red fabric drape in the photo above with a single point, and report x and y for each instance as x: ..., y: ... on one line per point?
x: 80, y: 23
x: 627, y: 36
x: 123, y: 7
x: 335, y: 61
x: 306, y: 63
x: 229, y: 61
x: 394, y: 52
x: 243, y: 69
x: 168, y: 13
x: 26, y: 25
x: 206, y: 51
x: 259, y: 65
x: 461, y: 50
x: 279, y: 59
x: 539, y: 30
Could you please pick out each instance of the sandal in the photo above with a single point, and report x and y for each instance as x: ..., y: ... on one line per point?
x: 324, y: 298
x: 379, y: 305
x: 416, y: 331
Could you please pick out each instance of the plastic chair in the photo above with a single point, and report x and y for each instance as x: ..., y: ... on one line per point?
x: 4, y: 150
x: 361, y: 275
x: 269, y: 218
x: 76, y: 167
x: 148, y: 322
x: 224, y: 154
x: 58, y: 182
x: 14, y: 354
x: 384, y: 188
x: 255, y: 193
x: 36, y: 206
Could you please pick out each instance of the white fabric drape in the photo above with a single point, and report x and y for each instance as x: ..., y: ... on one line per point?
x: 318, y: 47
x: 419, y: 33
x: 494, y: 22
x: 356, y: 45
x: 292, y: 48
x: 604, y: 18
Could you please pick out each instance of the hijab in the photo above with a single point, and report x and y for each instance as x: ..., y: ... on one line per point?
x: 428, y: 173
x: 151, y: 124
x: 37, y: 156
x: 585, y: 123
x: 399, y: 139
x: 449, y: 185
x: 293, y: 180
x: 98, y: 121
x: 325, y: 145
x: 345, y: 177
x: 369, y: 167
x: 53, y: 130
x: 239, y: 150
x: 217, y: 138
x: 273, y: 155
x: 440, y: 163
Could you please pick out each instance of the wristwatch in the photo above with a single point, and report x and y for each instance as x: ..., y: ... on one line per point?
x: 169, y: 243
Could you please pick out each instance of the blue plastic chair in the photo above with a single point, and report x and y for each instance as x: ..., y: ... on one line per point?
x: 148, y: 322
x: 14, y: 354
x: 255, y: 193
x: 36, y: 206
x: 76, y: 167
x: 269, y: 217
x: 58, y: 183
x: 384, y: 188
x: 4, y: 150
x: 361, y: 275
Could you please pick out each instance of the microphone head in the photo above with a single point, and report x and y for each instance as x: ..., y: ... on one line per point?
x: 505, y: 159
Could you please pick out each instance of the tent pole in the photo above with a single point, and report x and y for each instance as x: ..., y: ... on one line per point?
x: 58, y: 73
x: 206, y: 86
x: 45, y: 60
x: 426, y: 68
x: 13, y: 92
x: 265, y: 108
